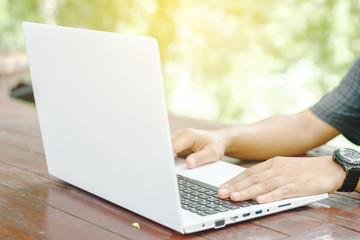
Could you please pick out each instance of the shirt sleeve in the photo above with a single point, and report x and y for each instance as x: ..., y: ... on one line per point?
x: 341, y: 107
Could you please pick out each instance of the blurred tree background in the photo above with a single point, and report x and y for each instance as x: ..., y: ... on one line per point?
x: 234, y: 61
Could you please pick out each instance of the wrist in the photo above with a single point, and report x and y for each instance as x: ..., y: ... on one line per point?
x: 232, y: 139
x: 225, y: 135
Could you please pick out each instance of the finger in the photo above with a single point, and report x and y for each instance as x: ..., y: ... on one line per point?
x: 187, y: 132
x: 185, y: 153
x: 254, y: 191
x: 251, y: 172
x: 177, y: 133
x: 265, y: 180
x: 182, y: 143
x: 206, y: 155
x: 286, y: 191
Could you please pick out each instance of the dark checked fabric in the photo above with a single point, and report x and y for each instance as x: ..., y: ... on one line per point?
x: 341, y: 107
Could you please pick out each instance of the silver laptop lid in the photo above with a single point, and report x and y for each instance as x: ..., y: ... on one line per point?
x: 103, y: 117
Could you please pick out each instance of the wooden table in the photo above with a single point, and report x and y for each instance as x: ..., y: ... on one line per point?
x: 34, y: 205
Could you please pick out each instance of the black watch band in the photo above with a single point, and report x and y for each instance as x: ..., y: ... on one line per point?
x: 350, y: 182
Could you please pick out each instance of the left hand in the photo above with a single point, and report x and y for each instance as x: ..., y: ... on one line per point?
x: 284, y: 177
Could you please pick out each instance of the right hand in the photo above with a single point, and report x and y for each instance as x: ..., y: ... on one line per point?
x: 199, y: 146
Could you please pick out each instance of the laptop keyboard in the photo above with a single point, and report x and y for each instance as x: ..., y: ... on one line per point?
x: 202, y: 198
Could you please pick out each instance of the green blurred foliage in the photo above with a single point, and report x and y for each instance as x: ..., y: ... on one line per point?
x: 234, y: 61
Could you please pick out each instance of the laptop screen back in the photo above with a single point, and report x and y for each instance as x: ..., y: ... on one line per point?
x: 103, y: 117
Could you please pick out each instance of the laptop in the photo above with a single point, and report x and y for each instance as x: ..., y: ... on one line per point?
x: 104, y: 125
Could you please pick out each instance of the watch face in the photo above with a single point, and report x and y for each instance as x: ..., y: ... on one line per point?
x: 350, y: 156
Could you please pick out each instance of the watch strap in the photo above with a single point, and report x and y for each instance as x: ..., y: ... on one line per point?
x: 350, y: 182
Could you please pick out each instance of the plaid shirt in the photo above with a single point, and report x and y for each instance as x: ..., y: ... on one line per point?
x: 341, y: 107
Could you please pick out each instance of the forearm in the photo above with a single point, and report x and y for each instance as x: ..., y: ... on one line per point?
x: 281, y: 135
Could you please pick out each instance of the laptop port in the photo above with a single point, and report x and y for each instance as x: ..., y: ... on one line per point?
x: 284, y: 205
x: 246, y: 214
x: 220, y: 223
x: 258, y: 212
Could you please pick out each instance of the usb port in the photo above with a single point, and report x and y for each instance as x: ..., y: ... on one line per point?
x: 258, y: 212
x: 246, y: 214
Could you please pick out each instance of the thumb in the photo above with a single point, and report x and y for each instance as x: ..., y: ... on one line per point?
x: 199, y: 158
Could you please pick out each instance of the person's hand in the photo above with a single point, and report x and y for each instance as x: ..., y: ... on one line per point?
x: 284, y: 177
x: 199, y: 146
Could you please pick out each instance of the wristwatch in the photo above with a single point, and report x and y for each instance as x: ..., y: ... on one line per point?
x: 349, y: 160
